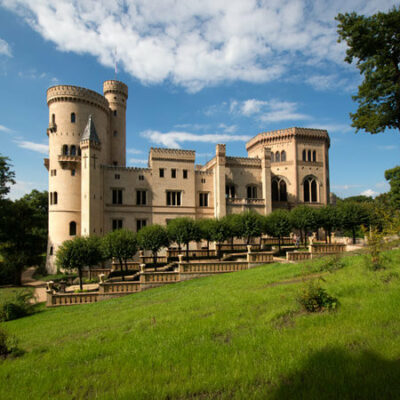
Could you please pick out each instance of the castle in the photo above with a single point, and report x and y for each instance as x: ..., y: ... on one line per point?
x: 91, y: 191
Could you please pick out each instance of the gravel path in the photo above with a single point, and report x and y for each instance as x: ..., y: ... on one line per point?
x: 39, y: 286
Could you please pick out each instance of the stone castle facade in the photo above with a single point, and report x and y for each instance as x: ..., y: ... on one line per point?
x: 91, y: 191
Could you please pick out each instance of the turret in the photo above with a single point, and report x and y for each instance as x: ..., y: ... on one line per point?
x: 116, y: 94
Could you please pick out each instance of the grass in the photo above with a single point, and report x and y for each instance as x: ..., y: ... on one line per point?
x: 233, y: 336
x: 9, y: 292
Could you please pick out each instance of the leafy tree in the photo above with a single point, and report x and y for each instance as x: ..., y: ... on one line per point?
x: 6, y: 176
x: 183, y: 231
x: 79, y: 253
x: 278, y: 224
x: 153, y: 238
x: 234, y: 227
x: 328, y: 219
x: 358, y: 199
x: 206, y: 227
x: 249, y: 225
x: 122, y: 245
x: 304, y: 219
x: 374, y: 42
x: 352, y: 215
x: 393, y: 176
x: 220, y: 231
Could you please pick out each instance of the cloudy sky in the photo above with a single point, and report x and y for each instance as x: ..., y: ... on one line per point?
x: 199, y: 73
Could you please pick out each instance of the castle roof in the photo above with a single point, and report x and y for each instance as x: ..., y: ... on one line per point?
x: 90, y: 132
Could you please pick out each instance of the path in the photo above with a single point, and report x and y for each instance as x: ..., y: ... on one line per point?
x: 39, y: 286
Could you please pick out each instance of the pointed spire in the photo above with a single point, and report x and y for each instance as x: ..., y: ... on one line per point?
x: 90, y: 132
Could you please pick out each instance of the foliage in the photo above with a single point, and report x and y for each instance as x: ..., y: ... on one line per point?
x: 18, y: 305
x: 249, y: 225
x: 376, y: 245
x: 328, y: 219
x: 205, y: 227
x: 78, y: 253
x: 8, y: 344
x: 304, y: 219
x: 374, y: 43
x: 153, y: 238
x: 182, y: 231
x: 220, y: 231
x: 120, y: 244
x: 352, y: 216
x: 234, y: 226
x: 314, y: 298
x: 278, y: 224
x: 7, y: 176
x: 393, y: 176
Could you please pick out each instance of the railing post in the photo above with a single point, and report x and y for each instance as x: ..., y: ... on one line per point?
x: 49, y: 292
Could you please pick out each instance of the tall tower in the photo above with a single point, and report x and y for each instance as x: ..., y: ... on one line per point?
x: 117, y: 94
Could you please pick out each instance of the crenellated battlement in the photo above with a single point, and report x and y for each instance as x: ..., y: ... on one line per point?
x: 157, y: 153
x: 117, y: 87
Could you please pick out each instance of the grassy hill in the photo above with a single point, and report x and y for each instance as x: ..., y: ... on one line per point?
x: 233, y: 336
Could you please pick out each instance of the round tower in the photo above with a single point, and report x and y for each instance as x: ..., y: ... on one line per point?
x: 69, y: 110
x: 116, y: 94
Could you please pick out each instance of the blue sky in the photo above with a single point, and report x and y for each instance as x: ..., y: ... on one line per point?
x: 199, y: 73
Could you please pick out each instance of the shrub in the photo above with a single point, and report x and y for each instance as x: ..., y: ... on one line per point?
x: 330, y: 263
x: 16, y: 306
x: 313, y: 298
x: 8, y: 344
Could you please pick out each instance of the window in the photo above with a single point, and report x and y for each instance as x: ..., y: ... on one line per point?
x: 141, y: 197
x: 73, y: 118
x: 310, y: 190
x: 53, y: 118
x: 203, y: 199
x: 141, y: 178
x: 185, y: 174
x: 55, y: 198
x: 272, y: 156
x: 53, y: 172
x: 115, y: 163
x: 251, y: 192
x: 115, y: 133
x: 51, y: 251
x: 73, y: 150
x: 230, y: 191
x: 203, y: 180
x: 140, y: 223
x: 79, y: 151
x: 283, y: 155
x: 279, y: 191
x: 304, y: 155
x: 72, y: 228
x: 116, y: 224
x: 161, y: 172
x: 51, y: 198
x: 309, y: 155
x: 73, y: 172
x: 115, y: 113
x: 173, y: 173
x: 314, y: 156
x: 117, y: 176
x: 277, y: 156
x: 117, y: 196
x: 65, y: 150
x: 173, y: 198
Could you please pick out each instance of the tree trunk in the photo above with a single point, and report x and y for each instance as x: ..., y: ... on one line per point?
x: 301, y: 237
x: 232, y: 243
x: 279, y: 244
x: 187, y: 251
x: 126, y: 267
x: 80, y: 278
x: 155, y: 260
x: 354, y: 235
x: 208, y: 248
x: 330, y: 236
x: 121, y: 267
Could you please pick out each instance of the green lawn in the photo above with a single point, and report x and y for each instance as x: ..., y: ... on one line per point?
x: 233, y: 336
x: 7, y: 293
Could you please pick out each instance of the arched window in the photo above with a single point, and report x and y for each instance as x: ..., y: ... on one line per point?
x: 314, y: 156
x: 73, y: 118
x: 73, y: 150
x: 55, y: 198
x: 53, y: 118
x: 283, y: 155
x: 309, y: 155
x: 72, y: 228
x: 310, y: 188
x: 251, y: 192
x: 272, y: 156
x: 304, y: 155
x: 65, y: 150
x: 230, y: 191
x: 79, y: 150
x: 115, y: 113
x: 277, y: 156
x: 51, y: 198
x: 279, y: 189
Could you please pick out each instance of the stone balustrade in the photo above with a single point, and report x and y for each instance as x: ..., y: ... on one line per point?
x: 262, y: 257
x: 298, y: 255
x: 325, y: 248
x: 212, y: 267
x: 132, y: 265
x: 174, y: 253
x: 119, y: 287
x: 68, y: 299
x: 237, y: 247
x: 274, y: 241
x: 150, y: 260
x: 95, y: 272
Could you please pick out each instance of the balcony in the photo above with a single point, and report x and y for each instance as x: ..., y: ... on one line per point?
x: 68, y: 161
x: 51, y: 128
x: 242, y: 201
x: 46, y: 163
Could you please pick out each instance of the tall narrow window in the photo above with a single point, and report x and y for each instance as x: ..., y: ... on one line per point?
x: 72, y: 228
x: 53, y: 118
x: 65, y: 150
x: 309, y: 155
x: 203, y: 199
x: 304, y: 155
x: 115, y: 133
x: 115, y: 113
x: 117, y: 196
x: 55, y: 198
x: 313, y: 191
x: 314, y: 156
x: 116, y: 224
x: 51, y: 198
x: 310, y: 187
x: 173, y: 173
x: 140, y: 223
x: 282, y: 191
x: 279, y: 191
x: 283, y: 155
x: 73, y: 118
x: 141, y: 197
x: 161, y: 172
x: 173, y: 198
x: 79, y: 150
x: 272, y: 156
x: 251, y: 192
x: 275, y: 190
x: 73, y: 172
x: 185, y: 174
x: 277, y: 156
x: 73, y: 150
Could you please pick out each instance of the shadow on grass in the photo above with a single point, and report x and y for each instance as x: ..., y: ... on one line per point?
x: 339, y: 374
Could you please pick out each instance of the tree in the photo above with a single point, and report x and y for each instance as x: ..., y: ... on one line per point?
x: 249, y: 225
x: 374, y: 42
x: 278, y: 224
x: 328, y: 219
x: 6, y: 176
x: 183, y: 231
x: 153, y: 238
x: 351, y: 216
x: 122, y: 245
x: 79, y: 253
x: 393, y: 176
x: 234, y: 227
x: 220, y: 231
x: 304, y: 219
x: 205, y: 227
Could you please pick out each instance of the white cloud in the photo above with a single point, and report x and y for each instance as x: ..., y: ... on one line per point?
x: 196, y: 43
x: 5, y: 129
x: 383, y: 185
x: 137, y: 161
x: 369, y: 193
x: 134, y: 151
x: 388, y: 147
x: 332, y: 82
x: 174, y: 139
x: 23, y: 187
x: 272, y: 110
x: 38, y: 147
x: 5, y: 49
